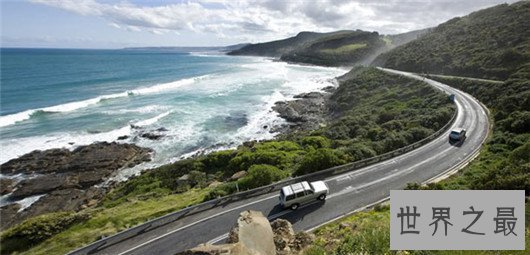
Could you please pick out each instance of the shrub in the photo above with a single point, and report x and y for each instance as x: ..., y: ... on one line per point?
x: 38, y: 229
x: 218, y: 160
x: 261, y: 175
x: 521, y: 154
x: 197, y: 178
x: 315, y: 250
x: 318, y: 160
x: 316, y: 142
x: 517, y: 122
x: 221, y: 191
x: 360, y: 151
x: 419, y: 133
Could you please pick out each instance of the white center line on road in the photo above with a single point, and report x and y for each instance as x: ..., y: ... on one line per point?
x: 194, y: 223
x: 343, y: 177
x: 350, y: 175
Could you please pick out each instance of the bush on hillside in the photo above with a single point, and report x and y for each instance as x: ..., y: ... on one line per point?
x: 261, y: 175
x: 37, y: 229
x: 318, y: 160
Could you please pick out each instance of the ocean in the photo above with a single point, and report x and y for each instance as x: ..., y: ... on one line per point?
x: 63, y: 98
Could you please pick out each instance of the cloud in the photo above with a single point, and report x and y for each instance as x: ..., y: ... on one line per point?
x: 273, y: 19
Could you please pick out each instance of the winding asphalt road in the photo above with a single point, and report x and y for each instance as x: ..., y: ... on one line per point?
x: 348, y: 192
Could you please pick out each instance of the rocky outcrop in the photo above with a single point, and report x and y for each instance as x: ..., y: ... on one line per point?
x: 286, y: 240
x: 253, y: 235
x: 8, y: 213
x: 307, y: 112
x: 98, y: 156
x: 6, y: 186
x: 65, y: 178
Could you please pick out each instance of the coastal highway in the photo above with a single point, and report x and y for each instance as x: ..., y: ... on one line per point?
x: 348, y: 192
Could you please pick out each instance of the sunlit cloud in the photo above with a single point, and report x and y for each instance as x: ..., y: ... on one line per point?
x: 258, y: 20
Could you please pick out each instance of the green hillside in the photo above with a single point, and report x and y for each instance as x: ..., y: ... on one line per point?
x: 372, y: 112
x: 492, y: 43
x: 339, y: 49
x: 279, y: 47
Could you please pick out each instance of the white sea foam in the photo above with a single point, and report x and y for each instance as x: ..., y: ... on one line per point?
x: 16, y: 117
x: 14, y: 148
x: 153, y: 120
x: 141, y: 110
x: 257, y: 86
x: 27, y: 202
x: 167, y: 86
x: 11, y: 119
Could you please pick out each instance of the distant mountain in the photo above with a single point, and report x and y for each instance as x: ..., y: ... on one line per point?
x: 491, y: 43
x: 279, y: 47
x: 234, y: 47
x: 338, y: 49
x: 341, y: 48
x: 191, y: 49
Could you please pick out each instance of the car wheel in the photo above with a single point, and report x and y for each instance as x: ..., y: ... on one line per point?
x: 294, y: 206
x: 322, y: 197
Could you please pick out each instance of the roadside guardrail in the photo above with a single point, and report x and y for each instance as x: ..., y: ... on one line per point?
x: 171, y: 217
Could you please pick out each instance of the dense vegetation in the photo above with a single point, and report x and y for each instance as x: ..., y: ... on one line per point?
x: 504, y: 162
x: 492, y: 43
x: 373, y: 113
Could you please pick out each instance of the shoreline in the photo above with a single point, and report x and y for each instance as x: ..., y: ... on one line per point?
x: 15, y: 207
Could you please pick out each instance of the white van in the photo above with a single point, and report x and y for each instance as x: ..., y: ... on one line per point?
x: 457, y: 134
x: 294, y: 195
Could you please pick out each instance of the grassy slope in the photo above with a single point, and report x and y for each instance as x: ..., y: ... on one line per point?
x: 374, y: 113
x: 338, y: 49
x: 104, y: 221
x: 491, y: 43
x: 346, y: 49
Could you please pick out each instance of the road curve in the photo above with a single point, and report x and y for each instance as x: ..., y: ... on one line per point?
x: 348, y: 192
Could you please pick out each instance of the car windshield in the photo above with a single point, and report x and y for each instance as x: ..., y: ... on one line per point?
x: 455, y: 132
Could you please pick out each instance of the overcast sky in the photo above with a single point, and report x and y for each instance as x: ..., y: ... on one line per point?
x: 125, y: 23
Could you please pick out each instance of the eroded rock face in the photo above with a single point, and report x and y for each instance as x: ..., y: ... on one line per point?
x: 65, y: 178
x: 8, y: 213
x: 6, y: 186
x: 286, y: 240
x: 253, y: 235
x: 307, y: 112
x: 98, y: 156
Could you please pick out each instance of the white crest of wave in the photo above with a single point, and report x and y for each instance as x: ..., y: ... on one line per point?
x: 153, y: 120
x: 142, y: 110
x: 167, y: 86
x: 11, y: 119
x: 14, y: 148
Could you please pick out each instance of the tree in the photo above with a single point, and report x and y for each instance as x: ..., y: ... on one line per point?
x: 261, y: 175
x: 318, y: 160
